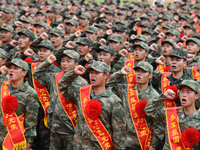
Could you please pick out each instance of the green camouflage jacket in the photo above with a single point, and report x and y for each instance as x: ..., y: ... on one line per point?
x: 112, y: 115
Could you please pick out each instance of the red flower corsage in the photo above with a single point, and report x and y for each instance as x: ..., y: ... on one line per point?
x: 28, y: 60
x: 93, y: 109
x: 190, y: 137
x: 139, y: 108
x: 175, y: 89
x: 9, y: 104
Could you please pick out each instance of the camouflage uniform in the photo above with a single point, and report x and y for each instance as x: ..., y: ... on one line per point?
x: 112, y: 115
x: 155, y: 109
x: 28, y: 104
x: 121, y: 91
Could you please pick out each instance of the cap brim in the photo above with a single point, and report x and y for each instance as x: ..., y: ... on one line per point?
x: 176, y: 56
x: 137, y: 67
x: 90, y: 68
x: 184, y: 85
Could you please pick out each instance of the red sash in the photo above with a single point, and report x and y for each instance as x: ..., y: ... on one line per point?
x: 195, y: 73
x: 131, y: 56
x: 130, y: 77
x: 43, y: 94
x: 140, y: 124
x: 139, y: 31
x: 69, y: 107
x: 164, y: 84
x: 15, y: 139
x: 95, y: 126
x: 173, y: 129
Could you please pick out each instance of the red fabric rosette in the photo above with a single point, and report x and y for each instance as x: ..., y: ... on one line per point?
x: 173, y: 88
x: 190, y: 137
x: 139, y: 108
x: 93, y: 109
x: 9, y: 104
x: 28, y: 60
x: 38, y: 85
x: 166, y: 69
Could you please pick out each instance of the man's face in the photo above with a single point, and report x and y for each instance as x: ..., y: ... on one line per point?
x: 41, y: 17
x: 172, y: 37
x: 167, y: 49
x: 100, y: 32
x: 27, y: 24
x: 115, y: 45
x: 71, y: 28
x: 84, y: 22
x: 43, y: 53
x: 105, y: 57
x: 177, y: 64
x: 141, y: 76
x: 83, y: 49
x: 97, y: 79
x: 182, y: 22
x: 91, y: 36
x: 148, y: 36
x: 16, y: 73
x: 56, y: 40
x: 2, y: 61
x: 109, y: 17
x: 192, y: 48
x: 6, y: 36
x: 51, y: 15
x: 187, y: 97
x: 123, y: 34
x: 140, y: 54
x: 122, y: 17
x: 67, y: 64
x: 24, y: 41
x: 40, y: 30
x: 9, y: 16
x: 188, y: 32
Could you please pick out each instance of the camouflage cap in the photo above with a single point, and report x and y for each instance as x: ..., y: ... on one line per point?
x: 47, y: 44
x: 8, y: 10
x: 7, y: 28
x: 92, y: 29
x: 42, y: 12
x: 182, y: 16
x: 116, y: 38
x: 144, y: 66
x: 3, y: 54
x: 71, y: 53
x: 170, y: 41
x: 29, y: 20
x: 72, y: 22
x: 84, y: 41
x: 110, y: 12
x: 122, y: 29
x: 190, y: 26
x: 58, y: 32
x: 122, y: 13
x: 53, y: 10
x: 68, y: 16
x: 191, y: 84
x: 145, y: 17
x: 141, y: 38
x: 148, y: 31
x: 85, y: 16
x: 106, y: 48
x: 28, y: 33
x: 195, y: 40
x: 144, y: 24
x: 143, y: 45
x: 123, y: 22
x: 180, y: 53
x: 168, y: 26
x: 99, y: 66
x: 102, y: 26
x: 18, y: 62
x: 173, y: 32
x: 104, y: 20
x: 41, y: 23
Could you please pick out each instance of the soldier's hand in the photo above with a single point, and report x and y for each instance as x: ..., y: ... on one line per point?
x: 125, y: 70
x: 176, y: 18
x: 51, y: 58
x: 161, y: 60
x: 75, y: 18
x: 109, y: 32
x: 180, y: 29
x: 79, y: 70
x: 184, y: 38
x: 151, y: 148
x: 161, y: 35
x: 2, y: 14
x: 70, y: 45
x: 29, y: 52
x: 135, y: 28
x: 88, y: 57
x: 179, y: 45
x: 78, y: 34
x: 190, y: 57
x: 127, y: 44
x: 102, y: 41
x: 18, y: 23
x: 129, y: 14
x: 137, y: 20
x: 30, y: 28
x: 44, y: 35
x: 22, y: 17
x: 109, y: 25
x: 94, y: 24
x: 153, y: 47
x: 4, y: 70
x: 102, y: 10
x: 102, y: 15
x: 157, y: 30
x: 133, y: 36
x: 14, y: 43
x: 170, y: 94
x: 61, y: 27
x: 123, y: 53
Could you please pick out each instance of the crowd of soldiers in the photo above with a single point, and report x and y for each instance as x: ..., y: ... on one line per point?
x: 99, y: 75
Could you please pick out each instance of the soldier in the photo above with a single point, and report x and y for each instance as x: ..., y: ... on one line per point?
x: 84, y: 21
x: 41, y: 27
x: 6, y: 35
x: 61, y: 119
x: 178, y: 120
x: 142, y: 92
x: 99, y: 111
x: 20, y: 92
